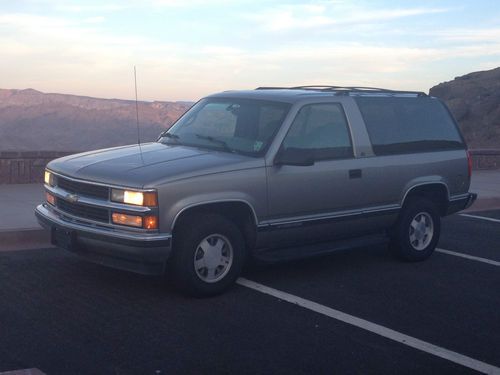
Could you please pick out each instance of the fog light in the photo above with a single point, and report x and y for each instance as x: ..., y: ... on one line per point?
x: 50, y: 199
x: 129, y: 220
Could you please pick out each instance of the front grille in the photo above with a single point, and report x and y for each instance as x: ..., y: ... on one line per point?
x: 82, y: 188
x: 83, y: 211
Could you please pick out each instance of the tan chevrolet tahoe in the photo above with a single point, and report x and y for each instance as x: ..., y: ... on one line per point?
x: 271, y: 173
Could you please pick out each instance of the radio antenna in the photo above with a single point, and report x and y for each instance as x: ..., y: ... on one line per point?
x: 137, y: 116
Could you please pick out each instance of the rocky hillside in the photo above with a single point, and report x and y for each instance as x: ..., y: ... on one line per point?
x: 31, y: 120
x: 474, y: 100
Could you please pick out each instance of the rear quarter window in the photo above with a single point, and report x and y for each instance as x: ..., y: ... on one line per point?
x: 406, y: 125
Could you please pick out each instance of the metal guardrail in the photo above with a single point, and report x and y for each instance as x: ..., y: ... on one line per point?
x: 24, y: 167
x: 485, y: 158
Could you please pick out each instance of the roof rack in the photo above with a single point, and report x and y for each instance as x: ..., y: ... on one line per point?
x: 345, y: 90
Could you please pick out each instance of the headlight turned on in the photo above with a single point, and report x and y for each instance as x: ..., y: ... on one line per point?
x: 48, y: 178
x: 136, y: 198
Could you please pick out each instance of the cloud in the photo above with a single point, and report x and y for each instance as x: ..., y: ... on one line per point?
x: 97, y: 19
x: 470, y: 35
x: 79, y: 52
x: 22, y: 20
x: 97, y: 8
x: 42, y: 31
x: 179, y: 3
x: 390, y: 14
x: 176, y: 3
x: 300, y: 17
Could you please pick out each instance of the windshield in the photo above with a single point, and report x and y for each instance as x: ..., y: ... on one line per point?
x: 234, y: 125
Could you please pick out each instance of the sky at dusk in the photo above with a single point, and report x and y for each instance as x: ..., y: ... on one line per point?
x: 187, y: 49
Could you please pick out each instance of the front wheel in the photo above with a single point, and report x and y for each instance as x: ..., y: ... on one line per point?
x: 417, y: 231
x: 209, y: 252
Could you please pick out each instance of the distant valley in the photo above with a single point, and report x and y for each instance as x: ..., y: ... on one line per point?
x: 34, y: 121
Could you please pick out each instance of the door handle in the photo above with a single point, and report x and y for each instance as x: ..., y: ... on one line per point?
x: 354, y: 173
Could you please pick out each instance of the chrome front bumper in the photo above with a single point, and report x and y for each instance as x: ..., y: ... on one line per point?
x: 144, y: 253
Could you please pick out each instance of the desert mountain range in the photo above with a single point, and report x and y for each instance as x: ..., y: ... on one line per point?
x: 34, y: 121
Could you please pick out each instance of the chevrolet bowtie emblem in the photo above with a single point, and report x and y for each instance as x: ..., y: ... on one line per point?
x: 73, y: 198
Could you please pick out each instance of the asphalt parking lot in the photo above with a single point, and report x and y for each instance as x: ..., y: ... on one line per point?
x: 351, y: 312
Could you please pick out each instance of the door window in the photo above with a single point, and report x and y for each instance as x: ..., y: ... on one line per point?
x: 321, y: 131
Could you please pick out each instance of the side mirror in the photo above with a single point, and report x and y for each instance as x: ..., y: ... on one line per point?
x: 294, y: 156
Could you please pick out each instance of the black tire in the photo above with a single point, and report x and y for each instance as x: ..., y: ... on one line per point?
x: 425, y: 214
x: 186, y: 245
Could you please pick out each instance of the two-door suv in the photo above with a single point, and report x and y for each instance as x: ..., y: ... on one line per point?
x: 271, y: 173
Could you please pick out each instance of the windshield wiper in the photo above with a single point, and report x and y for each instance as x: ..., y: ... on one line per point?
x: 215, y: 140
x: 170, y: 135
x: 166, y: 134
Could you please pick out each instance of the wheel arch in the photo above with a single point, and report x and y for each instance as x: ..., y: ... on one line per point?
x: 239, y: 211
x: 435, y: 191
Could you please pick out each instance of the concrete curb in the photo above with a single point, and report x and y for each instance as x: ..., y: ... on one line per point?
x: 24, y: 239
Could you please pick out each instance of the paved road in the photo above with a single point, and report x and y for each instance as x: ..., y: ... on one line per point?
x: 66, y: 316
x: 18, y: 202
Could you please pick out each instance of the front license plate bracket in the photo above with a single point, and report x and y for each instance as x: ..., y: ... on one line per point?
x: 63, y: 238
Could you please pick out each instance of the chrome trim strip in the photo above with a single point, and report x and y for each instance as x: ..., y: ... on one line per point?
x: 138, y: 236
x: 100, y: 183
x: 459, y: 197
x: 100, y: 203
x: 341, y: 214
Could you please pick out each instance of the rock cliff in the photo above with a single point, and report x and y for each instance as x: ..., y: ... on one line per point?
x: 474, y: 100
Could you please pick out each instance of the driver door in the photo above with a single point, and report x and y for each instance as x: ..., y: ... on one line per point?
x: 303, y: 199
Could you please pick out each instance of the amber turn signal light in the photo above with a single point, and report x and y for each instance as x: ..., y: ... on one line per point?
x: 129, y: 220
x: 151, y: 222
x: 50, y: 199
x: 150, y: 199
x: 146, y: 222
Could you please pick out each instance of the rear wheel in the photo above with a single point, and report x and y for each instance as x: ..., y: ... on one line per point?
x: 209, y: 252
x: 417, y: 231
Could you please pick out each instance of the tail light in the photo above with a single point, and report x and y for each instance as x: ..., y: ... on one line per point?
x: 469, y: 163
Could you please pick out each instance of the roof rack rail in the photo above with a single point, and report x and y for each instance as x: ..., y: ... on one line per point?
x: 345, y: 90
x: 272, y: 88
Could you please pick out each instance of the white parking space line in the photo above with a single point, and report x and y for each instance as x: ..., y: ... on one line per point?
x: 481, y: 218
x: 470, y: 257
x: 28, y: 371
x: 374, y: 328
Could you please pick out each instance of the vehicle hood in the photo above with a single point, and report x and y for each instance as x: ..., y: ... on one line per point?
x: 149, y: 164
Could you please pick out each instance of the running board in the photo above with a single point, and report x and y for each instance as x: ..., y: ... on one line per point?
x: 317, y: 249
